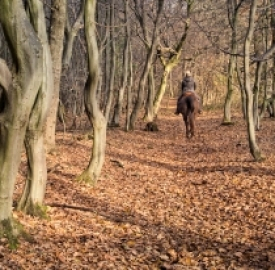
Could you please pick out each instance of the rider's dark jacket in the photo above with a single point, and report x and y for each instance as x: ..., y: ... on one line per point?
x: 188, y: 84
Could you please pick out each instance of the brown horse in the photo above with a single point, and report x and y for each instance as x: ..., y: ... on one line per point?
x: 188, y: 105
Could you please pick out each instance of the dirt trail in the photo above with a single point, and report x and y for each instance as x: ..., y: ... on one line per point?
x: 162, y: 202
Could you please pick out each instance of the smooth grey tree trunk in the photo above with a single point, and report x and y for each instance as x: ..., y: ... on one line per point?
x: 172, y: 61
x: 148, y: 62
x: 125, y: 67
x: 253, y: 146
x: 58, y: 20
x: 111, y: 81
x: 92, y: 172
x: 71, y: 34
x: 129, y: 87
x: 33, y: 196
x: 27, y: 55
x: 233, y: 11
x: 149, y: 110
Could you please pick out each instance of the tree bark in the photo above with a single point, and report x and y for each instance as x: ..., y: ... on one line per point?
x: 233, y: 13
x: 32, y: 198
x: 26, y: 50
x: 58, y: 19
x: 149, y: 110
x: 124, y: 75
x: 71, y: 33
x: 253, y: 146
x: 111, y: 81
x: 272, y: 26
x: 91, y: 173
x: 149, y: 58
x: 169, y: 63
x: 129, y: 87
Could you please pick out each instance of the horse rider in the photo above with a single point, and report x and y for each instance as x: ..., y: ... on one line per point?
x: 188, y: 84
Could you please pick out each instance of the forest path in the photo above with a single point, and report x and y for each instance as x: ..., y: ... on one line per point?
x: 162, y: 202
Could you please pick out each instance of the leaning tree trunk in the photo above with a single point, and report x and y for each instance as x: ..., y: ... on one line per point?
x: 253, y: 146
x: 26, y: 50
x: 32, y: 198
x: 56, y: 45
x: 91, y: 173
x: 162, y: 89
x: 172, y: 61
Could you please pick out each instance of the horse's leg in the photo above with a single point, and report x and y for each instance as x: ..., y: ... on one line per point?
x: 185, y: 120
x: 192, y: 124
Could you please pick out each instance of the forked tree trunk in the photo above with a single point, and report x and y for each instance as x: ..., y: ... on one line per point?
x: 56, y: 45
x: 91, y: 173
x: 32, y: 198
x: 23, y: 44
x: 172, y: 61
x: 253, y: 146
x: 71, y: 34
x: 148, y: 63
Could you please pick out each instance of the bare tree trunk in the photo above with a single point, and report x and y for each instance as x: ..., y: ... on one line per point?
x: 33, y: 195
x: 148, y: 62
x: 91, y: 173
x: 56, y: 45
x: 254, y: 148
x: 112, y: 64
x: 71, y: 33
x: 256, y: 90
x: 149, y: 111
x: 272, y: 26
x: 162, y: 88
x: 233, y: 10
x: 172, y: 61
x: 129, y: 87
x: 243, y: 93
x: 124, y: 75
x: 107, y: 52
x: 23, y: 44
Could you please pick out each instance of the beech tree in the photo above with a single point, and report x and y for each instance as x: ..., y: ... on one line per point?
x: 125, y: 67
x: 170, y: 54
x: 33, y: 196
x: 233, y: 7
x: 91, y: 173
x: 254, y: 148
x: 20, y: 88
x: 150, y: 43
x: 58, y: 20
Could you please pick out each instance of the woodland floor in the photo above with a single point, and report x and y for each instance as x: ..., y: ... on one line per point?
x: 162, y: 202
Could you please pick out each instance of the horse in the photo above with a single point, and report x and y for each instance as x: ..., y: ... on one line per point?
x: 189, y: 106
